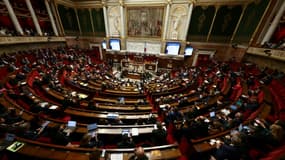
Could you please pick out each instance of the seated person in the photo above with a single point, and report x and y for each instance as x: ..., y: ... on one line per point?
x: 277, y: 133
x: 90, y: 141
x: 159, y: 135
x: 252, y: 101
x: 229, y: 150
x: 139, y: 154
x: 126, y: 142
x: 14, y: 122
x: 3, y: 111
x: 12, y: 118
x: 59, y: 137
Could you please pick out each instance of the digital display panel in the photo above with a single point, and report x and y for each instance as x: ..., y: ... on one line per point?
x: 115, y: 44
x: 172, y: 48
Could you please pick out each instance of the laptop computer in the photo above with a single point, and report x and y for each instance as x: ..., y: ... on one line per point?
x: 212, y: 114
x: 233, y: 107
x: 91, y: 128
x: 71, y: 125
x: 126, y: 131
x: 9, y: 139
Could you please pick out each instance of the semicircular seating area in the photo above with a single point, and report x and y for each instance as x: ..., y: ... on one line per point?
x: 66, y: 103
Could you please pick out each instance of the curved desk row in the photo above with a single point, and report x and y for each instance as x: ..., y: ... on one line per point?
x: 56, y: 152
x: 113, y: 106
x: 106, y: 115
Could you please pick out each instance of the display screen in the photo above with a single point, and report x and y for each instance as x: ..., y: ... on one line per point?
x: 115, y: 44
x: 172, y: 48
x: 188, y: 51
x: 104, y: 46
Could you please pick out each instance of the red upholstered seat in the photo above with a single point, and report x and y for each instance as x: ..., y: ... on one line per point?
x: 236, y: 93
x: 170, y: 130
x: 260, y: 97
x: 66, y: 118
x: 255, y: 154
x: 275, y: 154
x: 184, y: 146
x: 183, y: 157
x: 44, y: 139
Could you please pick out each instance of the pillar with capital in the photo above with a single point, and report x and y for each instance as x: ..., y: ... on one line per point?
x: 166, y: 20
x: 274, y: 24
x: 212, y: 24
x: 34, y: 17
x: 239, y: 21
x: 78, y: 22
x: 189, y: 15
x: 123, y: 36
x: 51, y: 18
x: 13, y: 17
x: 105, y: 19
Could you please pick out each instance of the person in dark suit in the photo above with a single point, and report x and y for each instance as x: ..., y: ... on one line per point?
x: 139, y: 154
x: 225, y: 151
x: 126, y: 142
x: 159, y: 135
x: 231, y: 150
x: 59, y: 137
x: 90, y: 141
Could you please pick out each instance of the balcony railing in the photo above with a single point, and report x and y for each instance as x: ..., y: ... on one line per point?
x: 270, y: 53
x: 19, y: 40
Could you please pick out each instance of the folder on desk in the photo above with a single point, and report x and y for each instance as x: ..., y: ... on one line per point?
x: 135, y: 131
x: 53, y: 107
x: 15, y: 146
x: 125, y: 131
x: 112, y: 115
x: 43, y: 104
x: 116, y: 156
x: 92, y: 127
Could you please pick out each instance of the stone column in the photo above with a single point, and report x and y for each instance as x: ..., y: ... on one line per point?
x: 274, y: 24
x: 238, y: 23
x: 34, y: 17
x: 51, y: 18
x: 13, y: 17
x: 213, y: 21
x: 166, y: 19
x: 188, y: 20
x: 78, y: 22
x: 122, y: 35
x: 106, y: 19
x: 91, y: 20
x: 122, y: 19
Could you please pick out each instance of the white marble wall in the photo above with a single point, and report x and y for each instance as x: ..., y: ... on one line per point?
x: 153, y: 47
x: 135, y: 46
x: 144, y: 47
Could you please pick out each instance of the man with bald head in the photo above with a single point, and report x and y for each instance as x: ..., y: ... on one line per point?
x: 139, y: 154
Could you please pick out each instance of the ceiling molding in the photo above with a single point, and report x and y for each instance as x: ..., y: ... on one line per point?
x: 99, y: 3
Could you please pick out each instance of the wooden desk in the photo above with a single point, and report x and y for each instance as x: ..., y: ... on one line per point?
x: 120, y: 107
x: 203, y: 147
x: 53, y: 93
x: 57, y: 152
x: 154, y: 153
x: 50, y: 151
x: 115, y: 100
x: 123, y: 93
x: 96, y: 114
